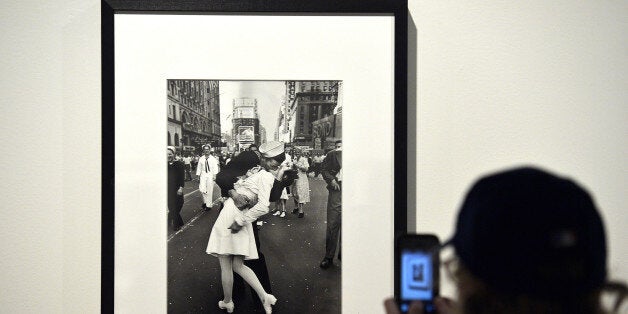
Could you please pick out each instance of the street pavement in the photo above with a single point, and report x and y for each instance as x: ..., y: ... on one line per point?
x: 293, y: 248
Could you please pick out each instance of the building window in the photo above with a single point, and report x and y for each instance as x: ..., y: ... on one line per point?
x: 176, y: 139
x: 169, y: 139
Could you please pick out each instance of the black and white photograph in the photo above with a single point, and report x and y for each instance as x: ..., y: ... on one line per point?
x: 262, y: 136
x: 254, y: 196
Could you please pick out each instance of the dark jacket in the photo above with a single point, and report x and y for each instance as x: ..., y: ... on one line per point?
x: 331, y: 166
x: 176, y: 179
x: 238, y: 166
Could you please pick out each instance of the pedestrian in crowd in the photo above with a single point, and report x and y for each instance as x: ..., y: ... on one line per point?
x: 187, y: 161
x: 289, y: 151
x: 222, y: 159
x: 194, y: 161
x: 232, y: 239
x: 332, y: 173
x: 301, y: 186
x: 316, y: 166
x: 238, y: 166
x: 252, y: 147
x: 207, y: 170
x: 176, y: 182
x: 280, y: 204
x: 527, y: 241
x: 310, y: 161
x: 216, y: 161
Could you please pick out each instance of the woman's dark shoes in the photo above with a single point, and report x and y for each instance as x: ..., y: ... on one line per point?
x: 301, y: 215
x: 326, y: 263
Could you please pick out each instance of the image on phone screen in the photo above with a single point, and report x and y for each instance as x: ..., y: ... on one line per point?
x: 416, y: 275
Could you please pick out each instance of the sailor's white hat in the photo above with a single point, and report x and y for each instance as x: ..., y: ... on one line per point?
x: 271, y: 149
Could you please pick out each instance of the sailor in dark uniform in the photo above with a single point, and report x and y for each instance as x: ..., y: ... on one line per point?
x: 225, y: 179
x: 176, y: 181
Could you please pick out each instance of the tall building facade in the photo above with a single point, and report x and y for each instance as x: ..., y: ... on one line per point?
x: 246, y: 127
x: 175, y: 133
x: 326, y: 131
x: 195, y: 108
x: 282, y: 131
x: 262, y: 134
x: 307, y: 102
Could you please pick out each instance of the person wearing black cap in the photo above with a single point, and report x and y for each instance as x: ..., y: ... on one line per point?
x: 176, y: 181
x: 527, y: 241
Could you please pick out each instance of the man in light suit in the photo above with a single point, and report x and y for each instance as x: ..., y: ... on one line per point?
x: 206, y: 171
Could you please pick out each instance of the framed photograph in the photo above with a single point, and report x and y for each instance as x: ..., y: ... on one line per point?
x: 238, y: 136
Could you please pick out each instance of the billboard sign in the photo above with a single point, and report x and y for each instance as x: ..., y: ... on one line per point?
x: 245, y: 113
x: 246, y: 134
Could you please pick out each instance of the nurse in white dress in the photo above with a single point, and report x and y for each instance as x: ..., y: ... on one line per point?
x: 231, y: 238
x: 206, y: 170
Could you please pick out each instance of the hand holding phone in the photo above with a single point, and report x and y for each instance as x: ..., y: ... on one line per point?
x: 417, y: 261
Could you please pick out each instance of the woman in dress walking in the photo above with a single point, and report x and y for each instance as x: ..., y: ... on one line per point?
x: 301, y: 186
x: 231, y: 238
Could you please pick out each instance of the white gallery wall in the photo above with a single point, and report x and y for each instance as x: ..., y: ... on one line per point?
x: 494, y: 84
x: 500, y: 84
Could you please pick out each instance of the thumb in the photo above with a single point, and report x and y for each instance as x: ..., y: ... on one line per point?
x: 391, y: 306
x: 416, y: 307
x: 444, y: 305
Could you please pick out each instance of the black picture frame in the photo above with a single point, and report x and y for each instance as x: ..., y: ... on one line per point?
x: 396, y: 8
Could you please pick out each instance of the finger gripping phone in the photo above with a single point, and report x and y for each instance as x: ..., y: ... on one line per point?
x: 417, y: 261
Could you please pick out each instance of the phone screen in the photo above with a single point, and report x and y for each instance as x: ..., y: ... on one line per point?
x: 417, y: 260
x: 416, y: 275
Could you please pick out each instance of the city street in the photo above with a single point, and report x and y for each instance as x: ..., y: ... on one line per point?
x: 293, y: 248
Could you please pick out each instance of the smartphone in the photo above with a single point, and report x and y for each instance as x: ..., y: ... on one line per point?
x: 417, y: 260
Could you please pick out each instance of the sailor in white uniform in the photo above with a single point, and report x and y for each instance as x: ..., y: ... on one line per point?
x: 206, y: 170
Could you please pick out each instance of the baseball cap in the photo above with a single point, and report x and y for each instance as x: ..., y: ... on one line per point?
x: 528, y: 231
